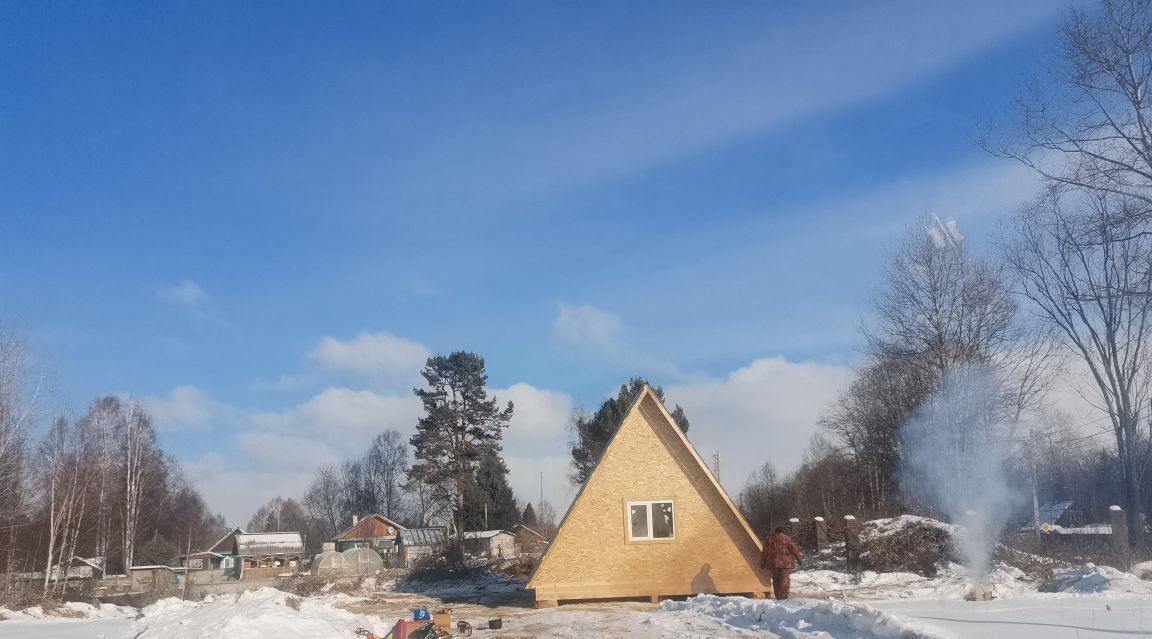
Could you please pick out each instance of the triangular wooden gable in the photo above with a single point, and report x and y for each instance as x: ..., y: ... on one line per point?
x: 649, y: 458
x: 374, y: 525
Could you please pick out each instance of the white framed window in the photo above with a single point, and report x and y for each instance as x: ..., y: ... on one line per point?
x: 649, y: 520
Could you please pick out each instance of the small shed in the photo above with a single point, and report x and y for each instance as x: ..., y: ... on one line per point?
x: 490, y: 543
x: 151, y: 578
x: 79, y: 568
x: 374, y: 531
x: 528, y: 541
x: 270, y: 550
x: 414, y: 543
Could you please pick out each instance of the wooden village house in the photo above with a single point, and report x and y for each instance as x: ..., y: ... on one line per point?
x: 375, y: 531
x: 528, y: 541
x: 214, y: 557
x: 651, y: 521
x: 270, y: 550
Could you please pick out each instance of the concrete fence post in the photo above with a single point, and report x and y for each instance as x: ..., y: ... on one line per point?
x: 852, y: 543
x: 1120, y: 544
x: 821, y: 533
x: 795, y: 525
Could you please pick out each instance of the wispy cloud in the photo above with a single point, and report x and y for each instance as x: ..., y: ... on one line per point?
x: 187, y: 294
x: 654, y: 111
x: 583, y: 325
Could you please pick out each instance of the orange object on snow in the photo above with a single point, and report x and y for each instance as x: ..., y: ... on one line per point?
x: 403, y: 628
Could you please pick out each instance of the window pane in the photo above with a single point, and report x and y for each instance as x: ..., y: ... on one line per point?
x: 662, y: 525
x: 640, y: 520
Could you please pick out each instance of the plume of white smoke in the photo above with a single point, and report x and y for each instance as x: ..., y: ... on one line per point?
x: 953, y: 459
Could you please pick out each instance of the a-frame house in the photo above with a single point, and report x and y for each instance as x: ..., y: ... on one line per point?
x: 650, y: 521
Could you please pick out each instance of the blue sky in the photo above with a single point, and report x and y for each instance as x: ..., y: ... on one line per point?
x: 260, y: 216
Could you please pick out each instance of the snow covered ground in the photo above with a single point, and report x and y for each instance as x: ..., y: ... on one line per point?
x: 257, y: 614
x: 1085, y: 602
x: 1048, y: 618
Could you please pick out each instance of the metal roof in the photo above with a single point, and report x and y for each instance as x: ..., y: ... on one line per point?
x: 421, y: 536
x: 278, y: 543
x: 1051, y: 512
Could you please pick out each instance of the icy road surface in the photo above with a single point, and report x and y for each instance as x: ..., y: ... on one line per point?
x: 1055, y: 618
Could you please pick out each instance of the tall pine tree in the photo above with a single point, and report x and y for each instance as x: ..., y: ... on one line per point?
x: 528, y: 518
x: 593, y: 432
x: 460, y: 427
x: 491, y: 505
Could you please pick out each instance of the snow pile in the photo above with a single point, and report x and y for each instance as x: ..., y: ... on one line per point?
x: 1091, y: 578
x: 803, y: 618
x: 1143, y: 569
x: 266, y: 613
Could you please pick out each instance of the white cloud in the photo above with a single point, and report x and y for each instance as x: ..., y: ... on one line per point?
x: 766, y: 411
x: 186, y: 408
x: 540, y: 417
x: 277, y: 452
x: 187, y: 294
x: 375, y: 356
x: 235, y: 488
x: 586, y: 326
x: 284, y: 451
x: 345, y: 417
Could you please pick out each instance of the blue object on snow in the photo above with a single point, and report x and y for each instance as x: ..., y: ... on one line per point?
x: 421, y: 614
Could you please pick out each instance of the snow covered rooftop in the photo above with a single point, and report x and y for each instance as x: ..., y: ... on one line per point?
x: 485, y: 534
x: 278, y: 543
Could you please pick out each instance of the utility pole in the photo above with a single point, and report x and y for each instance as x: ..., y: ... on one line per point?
x: 540, y: 508
x: 1035, y: 496
x: 187, y: 563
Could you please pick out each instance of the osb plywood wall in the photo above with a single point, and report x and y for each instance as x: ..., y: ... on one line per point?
x: 647, y: 460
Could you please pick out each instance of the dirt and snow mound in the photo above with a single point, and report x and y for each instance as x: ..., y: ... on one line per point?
x: 465, y: 583
x: 907, y: 544
x: 69, y: 610
x: 803, y: 618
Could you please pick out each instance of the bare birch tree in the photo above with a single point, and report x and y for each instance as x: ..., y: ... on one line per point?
x: 1088, y: 124
x: 939, y: 309
x: 139, y: 462
x: 325, y: 497
x: 385, y: 466
x: 1082, y: 262
x: 20, y: 399
x: 66, y: 474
